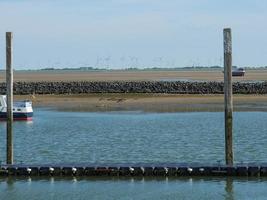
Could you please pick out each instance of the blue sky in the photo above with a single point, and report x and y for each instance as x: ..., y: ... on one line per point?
x: 132, y: 33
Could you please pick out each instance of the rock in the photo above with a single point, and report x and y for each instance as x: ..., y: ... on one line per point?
x: 178, y: 87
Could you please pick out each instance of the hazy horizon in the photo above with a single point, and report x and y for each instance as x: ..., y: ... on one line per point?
x: 132, y: 33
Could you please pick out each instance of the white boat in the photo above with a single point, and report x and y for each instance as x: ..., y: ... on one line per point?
x: 22, y: 110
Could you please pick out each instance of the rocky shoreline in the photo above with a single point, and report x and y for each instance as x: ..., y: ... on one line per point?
x: 178, y: 87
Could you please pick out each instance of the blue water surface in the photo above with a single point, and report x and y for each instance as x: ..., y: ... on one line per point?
x: 134, y: 137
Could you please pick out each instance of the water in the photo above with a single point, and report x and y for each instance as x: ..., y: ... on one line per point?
x: 131, y: 137
x: 156, y: 189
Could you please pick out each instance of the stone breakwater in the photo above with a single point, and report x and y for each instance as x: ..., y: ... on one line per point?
x: 178, y: 87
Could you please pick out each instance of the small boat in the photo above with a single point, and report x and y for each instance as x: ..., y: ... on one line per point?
x: 238, y: 72
x: 22, y: 110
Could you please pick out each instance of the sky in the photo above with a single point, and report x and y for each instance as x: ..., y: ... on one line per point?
x: 132, y: 33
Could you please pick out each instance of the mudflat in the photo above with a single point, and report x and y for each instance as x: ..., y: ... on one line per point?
x: 138, y: 75
x: 145, y: 102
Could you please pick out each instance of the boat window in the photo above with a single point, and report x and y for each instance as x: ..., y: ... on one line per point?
x: 19, y: 109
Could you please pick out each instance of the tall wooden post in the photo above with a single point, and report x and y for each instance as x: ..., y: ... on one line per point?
x: 228, y: 96
x: 9, y: 92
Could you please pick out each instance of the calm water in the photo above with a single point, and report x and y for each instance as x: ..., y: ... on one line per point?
x: 156, y: 189
x: 130, y: 137
x: 135, y: 137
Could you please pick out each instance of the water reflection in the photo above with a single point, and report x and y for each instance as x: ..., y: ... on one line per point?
x: 133, y: 187
x: 10, y: 184
x: 229, y: 189
x: 28, y: 122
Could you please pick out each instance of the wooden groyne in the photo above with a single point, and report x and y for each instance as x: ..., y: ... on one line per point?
x: 126, y: 170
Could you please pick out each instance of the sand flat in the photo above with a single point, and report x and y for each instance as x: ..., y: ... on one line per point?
x: 143, y: 102
x: 120, y: 75
x: 146, y: 102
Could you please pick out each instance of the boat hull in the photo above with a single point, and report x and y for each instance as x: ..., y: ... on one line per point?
x: 238, y: 73
x: 17, y: 116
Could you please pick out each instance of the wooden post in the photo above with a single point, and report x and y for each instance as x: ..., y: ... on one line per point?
x: 9, y: 92
x: 228, y: 96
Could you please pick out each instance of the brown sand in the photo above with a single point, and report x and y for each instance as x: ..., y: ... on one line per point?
x: 59, y: 75
x: 146, y: 102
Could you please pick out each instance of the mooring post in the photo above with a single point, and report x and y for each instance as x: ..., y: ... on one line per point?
x: 9, y: 92
x: 228, y: 96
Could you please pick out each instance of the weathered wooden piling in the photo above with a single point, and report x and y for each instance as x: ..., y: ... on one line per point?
x: 9, y: 92
x: 228, y: 96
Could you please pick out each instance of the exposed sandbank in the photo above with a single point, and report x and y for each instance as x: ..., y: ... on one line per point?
x: 145, y: 102
x: 124, y: 75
